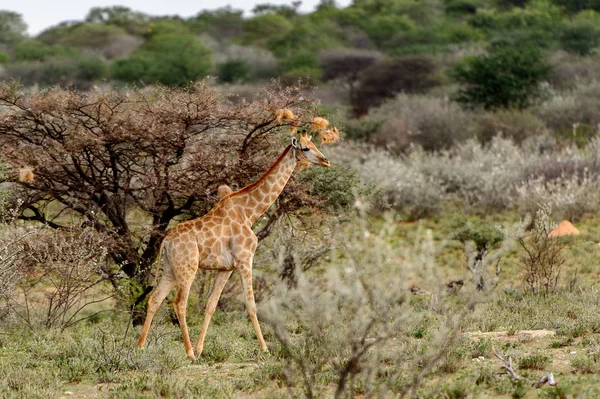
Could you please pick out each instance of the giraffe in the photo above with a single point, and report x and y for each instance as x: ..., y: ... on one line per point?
x: 223, y: 240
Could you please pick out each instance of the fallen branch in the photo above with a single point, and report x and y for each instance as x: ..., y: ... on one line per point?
x: 510, y: 371
x: 507, y: 365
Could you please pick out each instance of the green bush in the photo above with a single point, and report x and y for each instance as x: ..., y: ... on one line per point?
x: 264, y: 27
x: 580, y: 38
x: 383, y: 29
x: 337, y: 185
x: 85, y: 35
x: 35, y: 50
x: 3, y: 57
x: 167, y: 59
x: 461, y: 7
x: 506, y: 77
x: 234, y: 70
x: 12, y: 27
x: 575, y: 6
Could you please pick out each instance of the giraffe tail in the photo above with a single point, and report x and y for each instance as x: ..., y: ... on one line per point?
x: 160, y: 255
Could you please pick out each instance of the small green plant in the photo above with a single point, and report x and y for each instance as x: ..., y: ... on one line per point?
x: 481, y: 347
x: 535, y: 361
x: 484, y: 237
x: 568, y: 341
x: 586, y: 364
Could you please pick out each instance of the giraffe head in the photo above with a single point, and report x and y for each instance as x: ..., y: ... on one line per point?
x: 306, y: 152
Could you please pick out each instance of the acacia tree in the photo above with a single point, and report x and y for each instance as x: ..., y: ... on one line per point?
x: 130, y: 162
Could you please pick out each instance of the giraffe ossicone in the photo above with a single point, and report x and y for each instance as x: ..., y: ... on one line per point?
x: 223, y: 240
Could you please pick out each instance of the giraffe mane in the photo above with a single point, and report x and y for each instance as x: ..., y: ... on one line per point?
x: 264, y: 176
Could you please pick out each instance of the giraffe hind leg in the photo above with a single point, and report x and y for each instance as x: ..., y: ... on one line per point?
x: 156, y: 298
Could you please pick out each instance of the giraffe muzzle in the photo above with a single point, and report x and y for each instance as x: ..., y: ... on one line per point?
x: 324, y: 162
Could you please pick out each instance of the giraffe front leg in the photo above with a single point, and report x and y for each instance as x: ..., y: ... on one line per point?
x: 211, y: 305
x: 246, y: 271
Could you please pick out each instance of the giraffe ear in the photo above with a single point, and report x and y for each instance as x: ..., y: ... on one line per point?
x: 294, y: 142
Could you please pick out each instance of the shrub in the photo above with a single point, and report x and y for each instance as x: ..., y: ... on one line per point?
x: 362, y: 129
x: 3, y: 57
x: 233, y: 71
x: 571, y: 197
x: 261, y: 28
x: 93, y: 36
x: 512, y: 124
x: 580, y: 38
x: 222, y: 23
x: 81, y: 72
x: 506, y: 77
x: 430, y: 122
x: 382, y: 29
x: 402, y: 185
x: 568, y: 70
x: 573, y: 112
x: 338, y: 186
x: 341, y: 328
x: 12, y: 27
x: 543, y: 256
x: 347, y: 66
x: 461, y: 7
x: 484, y: 237
x: 536, y: 361
x: 261, y: 62
x: 385, y: 79
x: 35, y: 50
x: 170, y: 59
x: 64, y: 273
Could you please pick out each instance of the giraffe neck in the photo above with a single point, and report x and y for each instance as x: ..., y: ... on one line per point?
x: 256, y: 198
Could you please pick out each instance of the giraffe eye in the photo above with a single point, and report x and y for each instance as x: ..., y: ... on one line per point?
x: 305, y: 149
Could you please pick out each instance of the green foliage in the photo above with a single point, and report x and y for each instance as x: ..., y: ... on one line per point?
x: 222, y: 23
x: 362, y: 129
x: 506, y: 77
x: 580, y: 38
x: 84, y: 35
x: 133, y: 22
x: 264, y: 27
x: 336, y: 185
x: 575, y: 6
x: 165, y: 26
x: 234, y: 70
x: 461, y: 7
x: 536, y: 361
x: 12, y: 27
x: 304, y: 36
x: 3, y: 57
x: 35, y: 50
x: 169, y: 59
x: 384, y: 29
x: 485, y: 235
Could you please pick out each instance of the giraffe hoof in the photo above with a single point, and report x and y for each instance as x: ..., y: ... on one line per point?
x: 191, y: 357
